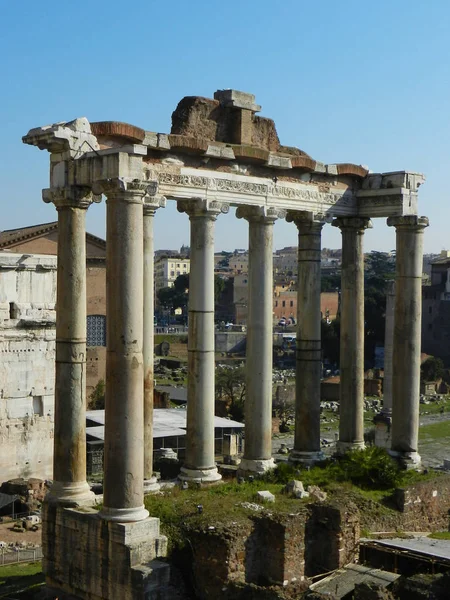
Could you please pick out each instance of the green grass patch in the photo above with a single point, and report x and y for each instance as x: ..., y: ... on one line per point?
x: 178, y: 509
x: 23, y: 581
x: 428, y: 433
x: 440, y: 535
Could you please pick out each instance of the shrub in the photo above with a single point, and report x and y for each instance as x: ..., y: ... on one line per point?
x: 371, y: 468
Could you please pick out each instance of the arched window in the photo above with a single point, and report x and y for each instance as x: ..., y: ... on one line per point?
x: 96, y: 330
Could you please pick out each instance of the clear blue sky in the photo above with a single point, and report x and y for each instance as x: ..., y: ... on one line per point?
x: 347, y: 81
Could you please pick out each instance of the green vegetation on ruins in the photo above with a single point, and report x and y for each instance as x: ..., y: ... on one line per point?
x: 367, y: 477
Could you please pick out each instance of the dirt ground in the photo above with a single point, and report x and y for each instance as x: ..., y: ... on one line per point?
x: 30, y: 537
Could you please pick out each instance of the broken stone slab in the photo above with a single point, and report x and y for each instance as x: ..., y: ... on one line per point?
x: 265, y: 496
x: 315, y: 493
x: 237, y: 99
x: 295, y: 488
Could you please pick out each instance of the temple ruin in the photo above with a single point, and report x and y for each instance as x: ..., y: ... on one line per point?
x: 219, y: 154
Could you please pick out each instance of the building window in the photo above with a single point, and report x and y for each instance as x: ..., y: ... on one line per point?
x: 430, y: 310
x: 284, y: 303
x: 38, y: 406
x: 96, y: 330
x: 430, y: 326
x: 292, y: 303
x: 276, y: 303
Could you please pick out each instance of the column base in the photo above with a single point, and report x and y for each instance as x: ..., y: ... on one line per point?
x: 306, y: 458
x: 151, y: 485
x: 199, y: 475
x: 253, y: 466
x: 71, y: 492
x: 383, y: 423
x: 124, y: 515
x: 344, y: 447
x: 407, y: 460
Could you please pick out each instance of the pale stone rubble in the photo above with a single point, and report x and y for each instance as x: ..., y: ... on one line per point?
x: 218, y: 154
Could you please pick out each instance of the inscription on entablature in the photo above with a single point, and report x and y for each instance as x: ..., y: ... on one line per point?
x: 248, y: 187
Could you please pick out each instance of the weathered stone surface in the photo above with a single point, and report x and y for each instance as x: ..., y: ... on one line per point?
x: 303, y: 162
x: 331, y: 537
x: 425, y: 504
x: 265, y: 134
x: 188, y: 143
x: 203, y: 117
x: 126, y: 565
x: 265, y: 496
x: 251, y: 153
x: 316, y: 493
x: 115, y: 130
x: 236, y: 99
x: 349, y: 169
x: 27, y: 377
x: 295, y: 488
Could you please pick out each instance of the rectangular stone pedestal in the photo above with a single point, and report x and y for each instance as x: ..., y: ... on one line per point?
x: 93, y: 559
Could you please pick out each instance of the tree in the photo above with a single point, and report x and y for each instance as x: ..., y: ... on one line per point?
x: 97, y: 398
x: 432, y: 369
x: 330, y: 340
x: 176, y: 296
x: 379, y: 269
x: 230, y: 387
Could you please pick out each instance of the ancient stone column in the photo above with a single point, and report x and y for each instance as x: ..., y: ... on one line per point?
x: 351, y: 419
x: 124, y: 428
x: 383, y: 420
x: 407, y: 338
x: 151, y: 204
x: 199, y: 465
x: 69, y: 460
x: 258, y: 400
x: 309, y: 351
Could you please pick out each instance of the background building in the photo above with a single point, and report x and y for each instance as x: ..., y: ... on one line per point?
x: 168, y: 268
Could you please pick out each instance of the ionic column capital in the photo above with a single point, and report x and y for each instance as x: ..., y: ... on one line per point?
x: 358, y: 224
x: 308, y: 222
x: 73, y: 196
x: 152, y: 203
x: 197, y: 207
x: 411, y: 222
x: 124, y: 189
x: 260, y: 214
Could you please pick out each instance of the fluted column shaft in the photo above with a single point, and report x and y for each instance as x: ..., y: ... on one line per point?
x: 351, y: 420
x: 151, y: 204
x: 69, y: 458
x: 309, y: 350
x: 407, y: 338
x: 258, y: 400
x: 199, y: 465
x: 124, y: 430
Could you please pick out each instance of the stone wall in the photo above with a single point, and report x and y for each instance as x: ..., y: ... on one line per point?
x: 95, y: 367
x: 93, y: 559
x: 27, y: 349
x: 332, y: 537
x: 273, y: 549
x: 425, y: 505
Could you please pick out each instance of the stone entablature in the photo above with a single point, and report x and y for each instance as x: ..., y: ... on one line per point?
x: 203, y: 157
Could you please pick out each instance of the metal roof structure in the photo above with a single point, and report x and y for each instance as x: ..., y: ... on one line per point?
x: 419, y: 545
x: 167, y: 422
x: 342, y: 581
